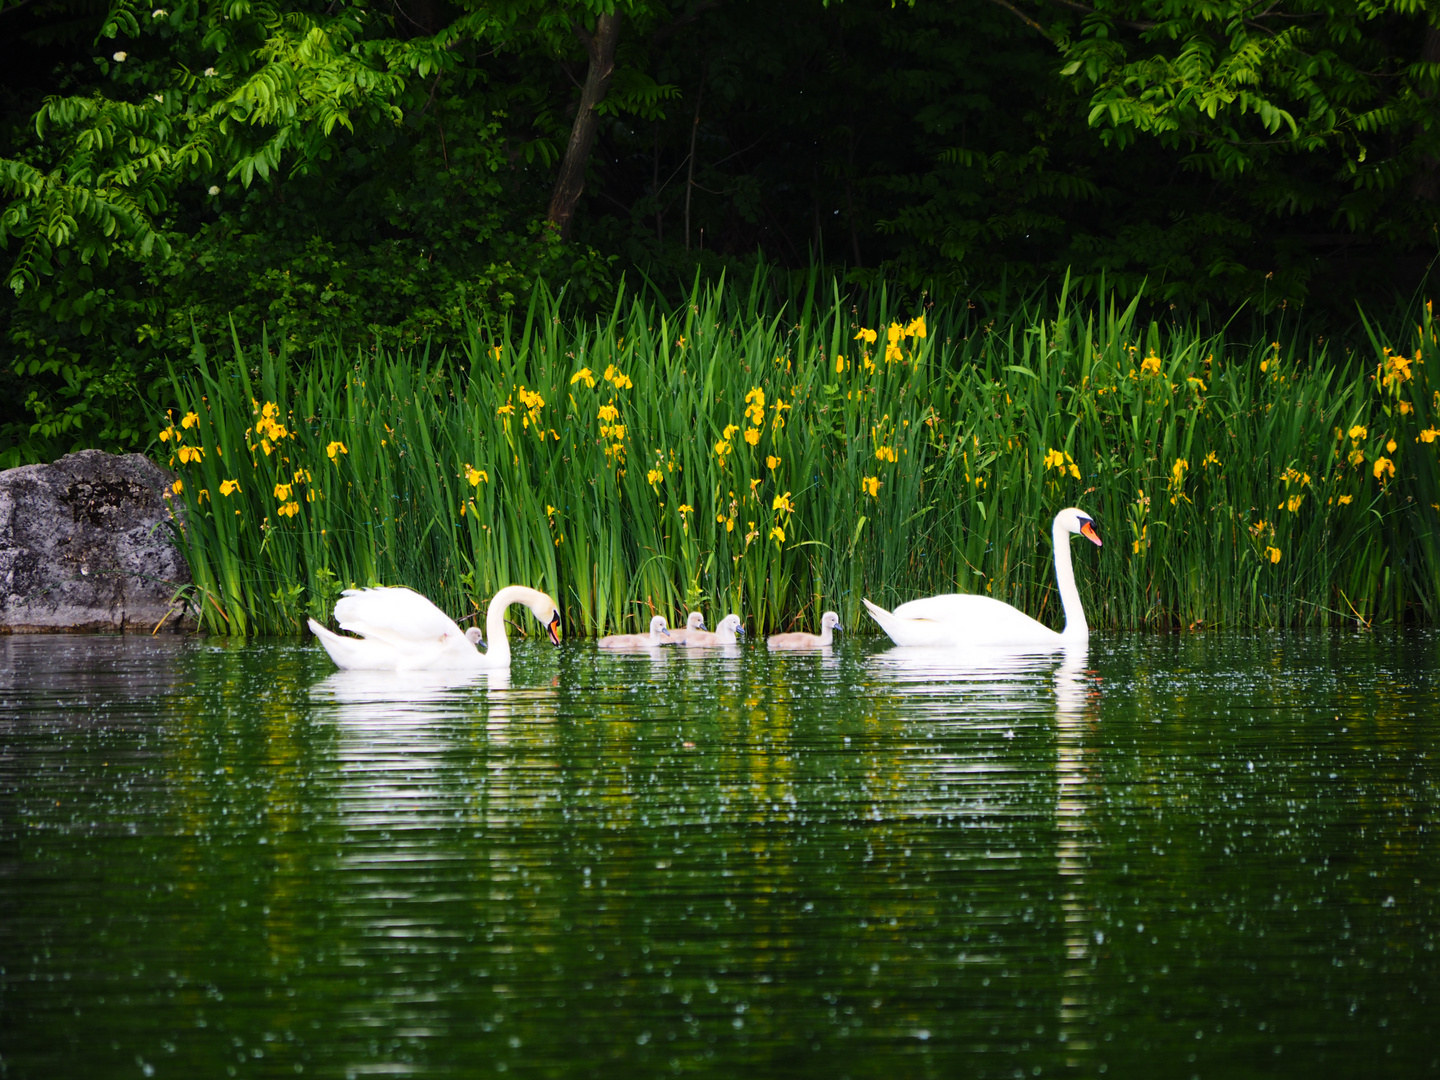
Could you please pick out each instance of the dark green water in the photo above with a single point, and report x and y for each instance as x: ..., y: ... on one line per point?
x: 1176, y: 856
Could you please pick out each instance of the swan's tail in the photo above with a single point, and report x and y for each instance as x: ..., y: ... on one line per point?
x: 921, y: 632
x: 888, y: 622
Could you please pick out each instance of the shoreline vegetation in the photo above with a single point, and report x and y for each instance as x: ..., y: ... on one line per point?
x: 732, y: 454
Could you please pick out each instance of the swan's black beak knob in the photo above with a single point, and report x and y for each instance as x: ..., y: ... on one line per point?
x: 553, y: 628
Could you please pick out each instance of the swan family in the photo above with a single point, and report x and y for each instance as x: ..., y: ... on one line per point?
x: 400, y: 630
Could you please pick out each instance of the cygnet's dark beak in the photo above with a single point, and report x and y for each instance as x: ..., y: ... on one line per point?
x: 553, y: 628
x: 1087, y: 530
x: 665, y: 631
x: 740, y: 629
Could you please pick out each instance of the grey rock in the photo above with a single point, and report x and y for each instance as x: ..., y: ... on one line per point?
x: 85, y: 547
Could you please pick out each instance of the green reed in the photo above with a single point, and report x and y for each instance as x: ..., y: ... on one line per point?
x: 775, y: 460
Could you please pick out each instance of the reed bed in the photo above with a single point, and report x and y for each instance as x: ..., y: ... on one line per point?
x: 778, y: 460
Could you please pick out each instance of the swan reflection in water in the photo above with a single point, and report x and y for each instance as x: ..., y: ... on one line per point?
x: 406, y: 695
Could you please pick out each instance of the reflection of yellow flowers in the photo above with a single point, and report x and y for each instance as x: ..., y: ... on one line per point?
x: 583, y: 375
x: 1384, y: 468
x: 870, y: 485
x: 229, y: 487
x: 335, y: 449
x: 1273, y: 554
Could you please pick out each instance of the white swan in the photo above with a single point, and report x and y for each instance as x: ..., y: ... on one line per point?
x: 967, y: 620
x: 400, y: 630
x: 696, y: 621
x: 657, y: 636
x: 724, y: 634
x: 829, y: 623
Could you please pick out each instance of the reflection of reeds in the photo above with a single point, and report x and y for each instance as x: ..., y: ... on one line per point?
x: 723, y: 457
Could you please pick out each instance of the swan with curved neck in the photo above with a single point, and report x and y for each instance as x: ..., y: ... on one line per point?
x: 400, y: 630
x: 967, y: 620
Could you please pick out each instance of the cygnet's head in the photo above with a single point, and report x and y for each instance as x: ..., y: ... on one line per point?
x: 1074, y: 520
x: 696, y: 621
x: 830, y: 621
x: 548, y: 613
x: 473, y: 635
x: 730, y: 625
x: 658, y: 626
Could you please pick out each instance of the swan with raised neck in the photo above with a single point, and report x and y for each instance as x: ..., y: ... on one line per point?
x: 969, y: 620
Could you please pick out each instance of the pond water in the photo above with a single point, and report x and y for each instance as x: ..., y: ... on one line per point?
x: 1170, y: 856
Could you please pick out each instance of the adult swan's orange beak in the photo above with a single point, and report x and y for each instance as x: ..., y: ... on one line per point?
x: 553, y: 626
x: 1087, y: 530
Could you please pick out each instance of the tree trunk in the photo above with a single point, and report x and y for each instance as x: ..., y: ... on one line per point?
x: 571, y: 182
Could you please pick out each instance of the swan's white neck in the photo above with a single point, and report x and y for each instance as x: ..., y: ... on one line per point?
x: 497, y: 649
x: 1076, y: 628
x: 827, y: 636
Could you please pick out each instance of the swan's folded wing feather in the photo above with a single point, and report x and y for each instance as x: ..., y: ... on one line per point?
x: 399, y: 617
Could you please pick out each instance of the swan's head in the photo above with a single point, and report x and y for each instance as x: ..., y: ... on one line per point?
x: 730, y: 625
x: 658, y: 626
x: 830, y: 621
x: 1073, y: 520
x: 696, y: 621
x: 548, y: 614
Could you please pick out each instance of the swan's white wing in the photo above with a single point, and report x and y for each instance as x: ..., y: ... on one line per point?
x: 959, y: 619
x: 356, y: 653
x: 989, y: 617
x: 400, y: 617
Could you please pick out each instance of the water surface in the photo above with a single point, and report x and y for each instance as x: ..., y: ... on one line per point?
x: 1170, y: 856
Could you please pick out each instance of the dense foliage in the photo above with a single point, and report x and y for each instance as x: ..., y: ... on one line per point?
x: 726, y: 456
x: 343, y: 172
